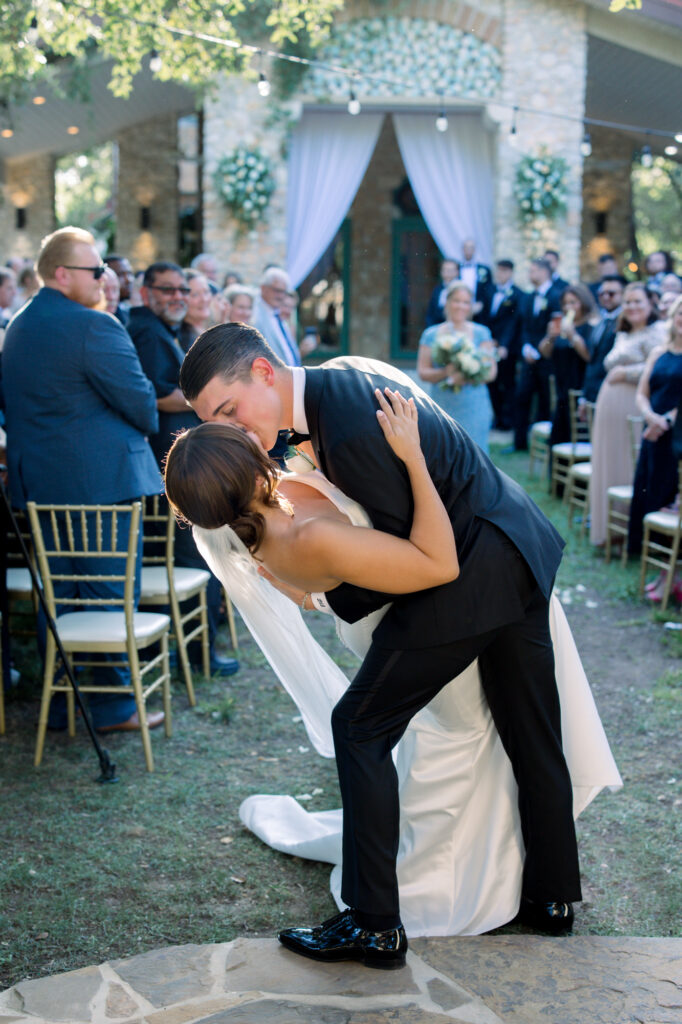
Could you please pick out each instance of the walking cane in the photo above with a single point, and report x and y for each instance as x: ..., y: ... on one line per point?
x: 107, y: 768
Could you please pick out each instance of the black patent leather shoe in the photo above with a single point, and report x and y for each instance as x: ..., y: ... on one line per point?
x: 341, y: 938
x: 555, y: 918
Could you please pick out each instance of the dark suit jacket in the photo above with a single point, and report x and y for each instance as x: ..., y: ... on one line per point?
x: 161, y: 358
x: 506, y: 324
x: 483, y: 505
x: 434, y: 310
x: 78, y: 406
x: 535, y: 326
x: 600, y: 344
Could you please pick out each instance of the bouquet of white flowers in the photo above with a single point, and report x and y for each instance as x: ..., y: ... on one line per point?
x: 457, y: 348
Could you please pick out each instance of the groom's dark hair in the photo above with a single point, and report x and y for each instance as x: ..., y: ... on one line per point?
x: 228, y: 351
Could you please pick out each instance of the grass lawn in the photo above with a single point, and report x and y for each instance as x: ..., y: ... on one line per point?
x: 93, y: 872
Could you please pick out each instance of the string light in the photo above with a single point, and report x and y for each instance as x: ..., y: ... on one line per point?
x: 586, y: 145
x: 155, y: 62
x: 441, y: 122
x: 670, y: 150
x: 32, y: 33
x: 263, y: 84
x: 678, y: 137
x: 354, y: 107
x: 645, y: 157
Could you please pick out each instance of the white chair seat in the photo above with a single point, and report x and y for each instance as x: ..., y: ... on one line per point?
x: 542, y: 427
x: 621, y: 492
x: 19, y: 582
x: 582, y: 469
x: 580, y: 450
x: 107, y: 628
x: 154, y: 581
x: 663, y: 520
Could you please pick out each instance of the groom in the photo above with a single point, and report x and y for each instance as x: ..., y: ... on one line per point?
x: 497, y: 610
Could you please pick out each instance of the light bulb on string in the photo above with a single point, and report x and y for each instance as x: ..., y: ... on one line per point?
x: 646, y: 159
x: 354, y: 107
x: 586, y: 145
x: 670, y: 150
x: 155, y: 62
x: 441, y: 122
x: 32, y: 33
x: 513, y: 137
x: 263, y: 84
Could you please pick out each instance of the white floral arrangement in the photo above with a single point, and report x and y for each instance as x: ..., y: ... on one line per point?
x: 540, y: 186
x: 410, y: 57
x: 245, y: 182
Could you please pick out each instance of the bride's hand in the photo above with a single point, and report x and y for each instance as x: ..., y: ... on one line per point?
x: 293, y: 593
x: 398, y: 420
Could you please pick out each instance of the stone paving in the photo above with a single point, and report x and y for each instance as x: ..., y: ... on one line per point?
x: 493, y: 979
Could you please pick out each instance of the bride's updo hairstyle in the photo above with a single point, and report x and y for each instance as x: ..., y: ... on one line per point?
x: 211, y: 474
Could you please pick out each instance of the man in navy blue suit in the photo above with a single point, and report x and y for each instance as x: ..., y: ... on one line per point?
x: 78, y: 411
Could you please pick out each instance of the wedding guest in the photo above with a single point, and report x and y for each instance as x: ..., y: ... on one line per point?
x: 659, y: 395
x: 607, y: 267
x: 476, y: 276
x: 267, y: 315
x: 535, y: 372
x: 463, y: 398
x: 111, y: 291
x: 8, y: 290
x: 657, y: 265
x: 567, y: 344
x: 239, y: 303
x: 558, y: 282
x: 600, y: 342
x: 27, y: 286
x: 671, y: 283
x: 198, y: 316
x: 638, y: 334
x: 123, y: 270
x: 207, y: 265
x: 503, y: 317
x: 665, y: 302
x: 435, y: 311
x: 232, y: 277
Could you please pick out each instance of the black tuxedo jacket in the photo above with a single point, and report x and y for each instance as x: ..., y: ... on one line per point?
x: 484, y: 505
x: 599, y: 345
x: 535, y: 326
x: 507, y: 322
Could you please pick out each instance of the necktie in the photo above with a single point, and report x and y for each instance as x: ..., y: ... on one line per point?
x: 291, y: 348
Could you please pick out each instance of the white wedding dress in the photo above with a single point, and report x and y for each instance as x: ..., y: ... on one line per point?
x: 461, y: 854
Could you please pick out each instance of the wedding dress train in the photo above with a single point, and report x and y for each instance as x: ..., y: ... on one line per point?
x: 460, y: 857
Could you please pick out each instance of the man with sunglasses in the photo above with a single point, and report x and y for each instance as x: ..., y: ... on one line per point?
x: 153, y: 328
x: 78, y: 409
x: 600, y: 342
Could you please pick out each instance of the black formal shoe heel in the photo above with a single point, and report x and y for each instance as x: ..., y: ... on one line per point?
x: 341, y: 938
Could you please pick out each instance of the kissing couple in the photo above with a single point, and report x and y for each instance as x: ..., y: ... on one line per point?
x: 458, y: 568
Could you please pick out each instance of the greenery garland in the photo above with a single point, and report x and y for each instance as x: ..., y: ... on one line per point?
x: 540, y: 186
x: 244, y: 180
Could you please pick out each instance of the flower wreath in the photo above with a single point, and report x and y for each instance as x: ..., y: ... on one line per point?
x: 245, y: 182
x: 540, y: 187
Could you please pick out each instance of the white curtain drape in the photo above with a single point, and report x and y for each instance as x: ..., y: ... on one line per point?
x: 328, y: 157
x: 452, y: 179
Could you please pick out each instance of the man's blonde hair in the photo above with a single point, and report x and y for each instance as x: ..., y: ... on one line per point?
x: 56, y: 250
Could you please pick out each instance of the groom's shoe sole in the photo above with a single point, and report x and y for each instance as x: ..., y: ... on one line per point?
x: 553, y: 918
x: 345, y: 956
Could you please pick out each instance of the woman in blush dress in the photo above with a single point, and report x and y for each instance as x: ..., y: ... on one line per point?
x: 639, y: 333
x: 467, y: 400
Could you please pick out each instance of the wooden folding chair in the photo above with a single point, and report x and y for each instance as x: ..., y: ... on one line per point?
x: 619, y: 498
x: 77, y: 544
x: 661, y: 544
x: 578, y: 484
x: 578, y: 449
x: 538, y: 445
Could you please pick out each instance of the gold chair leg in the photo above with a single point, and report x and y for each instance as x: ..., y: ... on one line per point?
x: 643, y: 561
x: 166, y: 685
x: 205, y: 648
x: 135, y: 679
x: 231, y: 622
x: 48, y: 677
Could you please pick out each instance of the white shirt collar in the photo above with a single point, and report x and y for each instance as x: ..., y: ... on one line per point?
x: 300, y: 423
x: 544, y: 287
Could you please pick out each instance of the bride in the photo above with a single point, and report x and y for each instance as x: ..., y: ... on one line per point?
x: 461, y: 854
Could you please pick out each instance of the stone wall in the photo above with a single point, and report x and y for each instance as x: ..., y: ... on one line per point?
x: 148, y: 177
x: 544, y: 54
x: 29, y: 184
x: 607, y: 195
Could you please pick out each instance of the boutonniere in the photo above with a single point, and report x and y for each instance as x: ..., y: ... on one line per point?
x: 543, y: 305
x: 507, y: 302
x: 297, y: 461
x: 482, y: 274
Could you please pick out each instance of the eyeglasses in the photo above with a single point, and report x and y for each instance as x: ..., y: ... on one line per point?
x: 95, y: 271
x: 169, y: 289
x: 608, y: 295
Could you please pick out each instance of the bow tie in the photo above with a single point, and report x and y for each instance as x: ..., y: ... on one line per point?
x: 293, y: 438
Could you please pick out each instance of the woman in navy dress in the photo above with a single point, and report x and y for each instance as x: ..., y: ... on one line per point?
x: 659, y: 396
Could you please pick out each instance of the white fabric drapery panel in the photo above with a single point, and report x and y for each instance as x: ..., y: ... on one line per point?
x: 328, y: 158
x: 451, y: 174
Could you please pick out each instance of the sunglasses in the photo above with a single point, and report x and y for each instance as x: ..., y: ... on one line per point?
x: 608, y: 295
x: 169, y: 289
x: 95, y: 271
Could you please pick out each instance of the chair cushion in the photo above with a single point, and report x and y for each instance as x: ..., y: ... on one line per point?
x: 581, y: 469
x: 620, y: 492
x: 542, y: 428
x: 666, y: 521
x: 19, y: 582
x: 108, y: 627
x: 186, y: 579
x: 580, y: 450
x: 154, y: 582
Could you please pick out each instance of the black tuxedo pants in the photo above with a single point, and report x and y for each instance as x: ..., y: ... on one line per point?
x: 533, y: 381
x: 516, y: 662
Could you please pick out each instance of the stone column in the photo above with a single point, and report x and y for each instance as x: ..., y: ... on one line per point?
x: 607, y: 198
x: 238, y: 116
x: 29, y: 185
x: 544, y: 57
x: 147, y: 178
